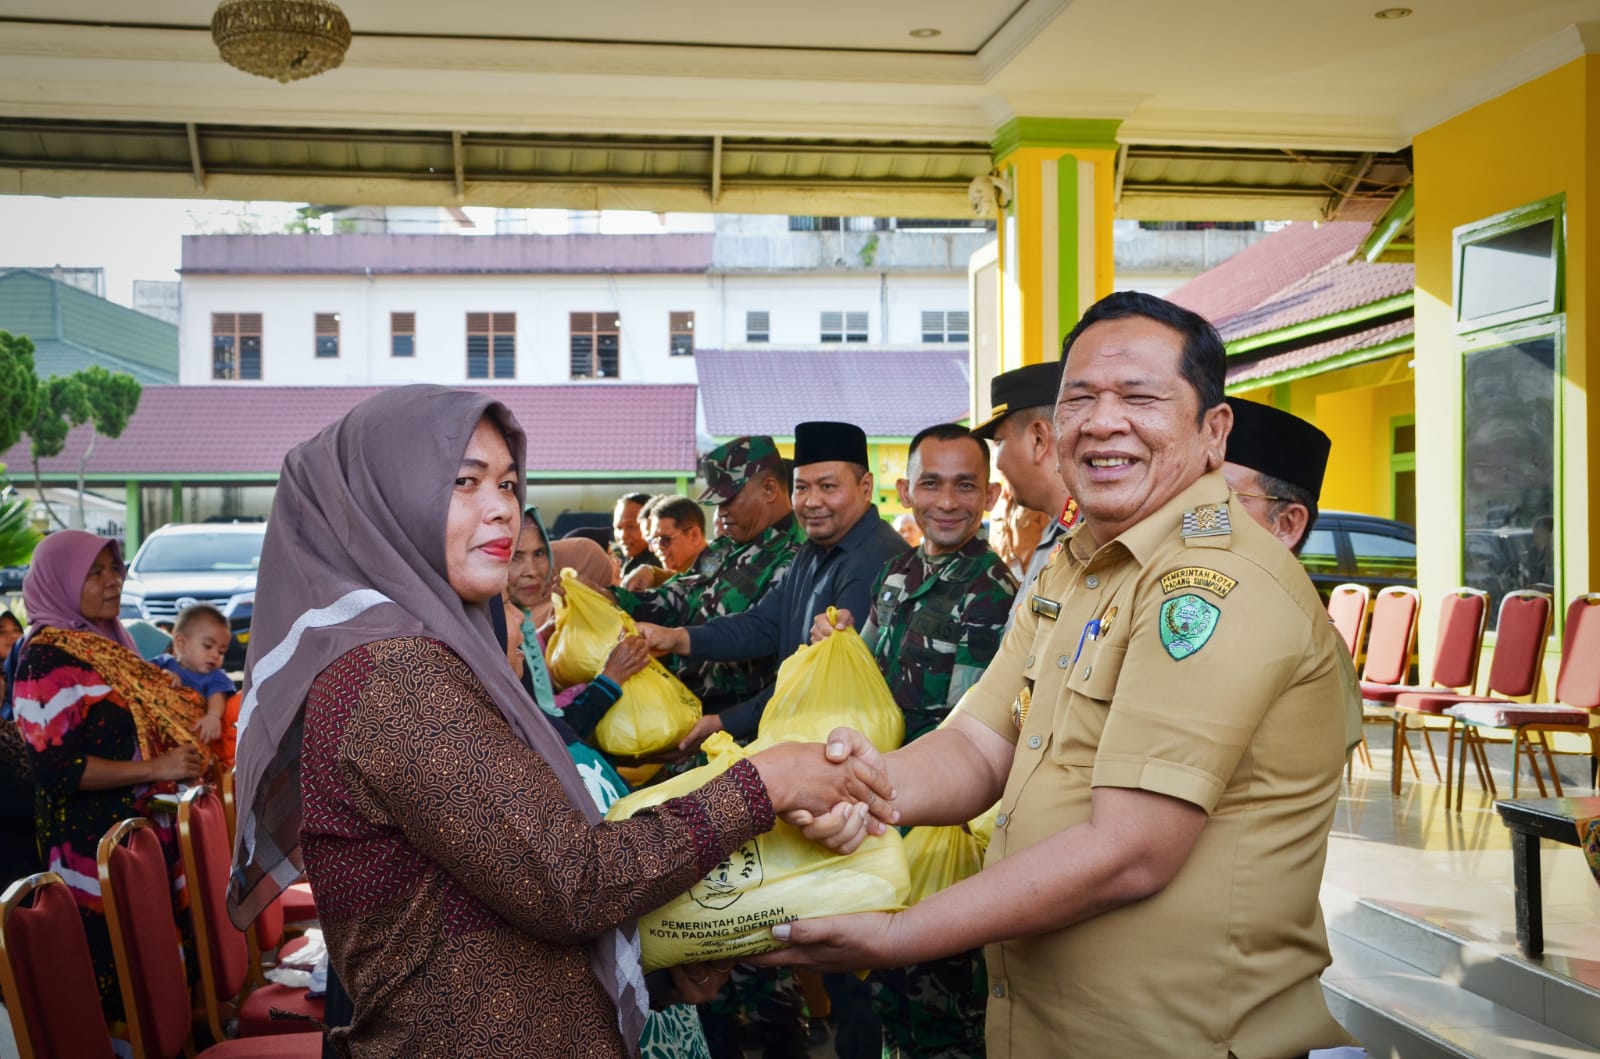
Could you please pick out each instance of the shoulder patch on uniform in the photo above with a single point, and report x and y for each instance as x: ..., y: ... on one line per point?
x: 1206, y: 520
x: 1187, y: 622
x: 1219, y: 584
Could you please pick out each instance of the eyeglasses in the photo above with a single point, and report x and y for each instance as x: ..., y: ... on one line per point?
x: 1261, y: 496
x: 661, y: 540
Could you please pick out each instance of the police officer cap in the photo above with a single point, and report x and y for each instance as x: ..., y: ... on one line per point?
x: 730, y: 465
x: 820, y: 441
x: 1012, y: 391
x: 1276, y: 443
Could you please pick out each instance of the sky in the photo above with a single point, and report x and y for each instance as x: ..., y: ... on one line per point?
x: 142, y: 238
x: 130, y: 238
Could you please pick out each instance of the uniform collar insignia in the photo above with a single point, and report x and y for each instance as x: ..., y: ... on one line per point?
x: 1206, y: 520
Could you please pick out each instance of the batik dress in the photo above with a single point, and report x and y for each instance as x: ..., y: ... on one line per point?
x: 76, y: 697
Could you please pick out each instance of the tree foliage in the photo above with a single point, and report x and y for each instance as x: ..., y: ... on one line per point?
x: 19, y: 388
x: 105, y: 399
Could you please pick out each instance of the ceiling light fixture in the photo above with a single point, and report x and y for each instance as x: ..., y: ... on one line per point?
x: 926, y: 33
x: 281, y: 39
x: 1392, y: 13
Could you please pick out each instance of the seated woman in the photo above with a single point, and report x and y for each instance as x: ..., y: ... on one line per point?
x: 103, y: 728
x: 472, y: 900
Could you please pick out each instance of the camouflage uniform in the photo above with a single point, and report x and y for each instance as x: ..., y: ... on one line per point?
x: 729, y: 578
x: 936, y: 622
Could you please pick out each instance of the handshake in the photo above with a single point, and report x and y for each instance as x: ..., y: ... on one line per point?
x: 836, y: 793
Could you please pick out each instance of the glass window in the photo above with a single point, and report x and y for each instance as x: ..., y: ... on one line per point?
x: 491, y: 345
x: 327, y: 334
x: 757, y: 326
x: 595, y: 342
x: 403, y: 334
x: 235, y: 346
x: 1510, y: 274
x: 1508, y: 489
x: 681, y: 340
x: 1380, y: 555
x: 1321, y: 553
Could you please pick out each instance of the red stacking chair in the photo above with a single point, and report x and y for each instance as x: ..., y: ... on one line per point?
x: 1576, y: 710
x: 1514, y: 669
x: 46, y: 972
x: 1390, y: 642
x: 223, y: 952
x: 1347, y: 609
x: 1462, y: 618
x: 144, y: 939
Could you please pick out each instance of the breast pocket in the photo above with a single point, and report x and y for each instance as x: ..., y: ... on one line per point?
x: 1089, y: 689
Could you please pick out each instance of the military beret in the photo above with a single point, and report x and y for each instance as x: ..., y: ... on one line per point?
x: 1012, y: 391
x: 1273, y: 442
x: 820, y: 441
x: 730, y: 465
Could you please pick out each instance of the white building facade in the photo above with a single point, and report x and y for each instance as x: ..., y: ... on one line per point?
x: 383, y: 308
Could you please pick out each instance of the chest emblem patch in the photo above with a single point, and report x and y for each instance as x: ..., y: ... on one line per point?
x: 1187, y: 622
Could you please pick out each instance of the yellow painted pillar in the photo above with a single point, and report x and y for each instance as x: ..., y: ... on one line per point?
x: 1055, y: 233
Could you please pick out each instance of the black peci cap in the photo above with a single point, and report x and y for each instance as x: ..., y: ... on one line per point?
x: 821, y: 442
x: 1012, y: 391
x: 1274, y: 442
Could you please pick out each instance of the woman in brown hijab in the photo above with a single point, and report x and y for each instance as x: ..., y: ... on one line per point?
x: 472, y: 901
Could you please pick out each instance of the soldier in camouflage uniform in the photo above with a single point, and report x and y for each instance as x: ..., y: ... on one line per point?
x: 757, y: 537
x: 937, y: 618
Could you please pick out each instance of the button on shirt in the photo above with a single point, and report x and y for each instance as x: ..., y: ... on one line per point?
x: 1239, y: 708
x: 819, y: 578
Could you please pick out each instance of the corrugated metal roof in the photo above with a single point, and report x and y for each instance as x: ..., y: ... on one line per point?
x: 887, y: 394
x: 1259, y: 272
x: 1245, y: 371
x: 72, y: 329
x: 434, y: 254
x: 248, y: 430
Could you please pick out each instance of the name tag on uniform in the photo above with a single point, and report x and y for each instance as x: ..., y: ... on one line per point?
x: 1045, y: 608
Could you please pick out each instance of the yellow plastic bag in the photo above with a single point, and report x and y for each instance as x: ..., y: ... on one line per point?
x: 825, y: 685
x: 940, y: 857
x: 655, y: 710
x: 776, y: 878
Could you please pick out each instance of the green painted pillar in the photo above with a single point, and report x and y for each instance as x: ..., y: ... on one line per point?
x: 177, y: 501
x: 132, y: 523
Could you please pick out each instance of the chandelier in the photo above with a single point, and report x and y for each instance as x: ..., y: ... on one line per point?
x: 282, y: 39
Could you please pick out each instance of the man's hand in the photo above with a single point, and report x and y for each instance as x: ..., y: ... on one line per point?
x: 842, y: 829
x: 810, y: 778
x: 836, y: 943
x: 821, y: 628
x: 640, y: 580
x: 702, y: 730
x: 664, y: 641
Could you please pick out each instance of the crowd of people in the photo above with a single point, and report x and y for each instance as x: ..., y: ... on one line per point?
x: 1089, y: 612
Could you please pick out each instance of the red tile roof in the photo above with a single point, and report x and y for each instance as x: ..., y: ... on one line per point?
x: 1306, y: 356
x: 885, y: 393
x: 1335, y: 288
x: 248, y: 429
x: 436, y: 255
x: 1260, y: 271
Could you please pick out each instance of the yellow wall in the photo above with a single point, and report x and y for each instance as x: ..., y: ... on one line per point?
x: 1354, y: 407
x: 1533, y: 142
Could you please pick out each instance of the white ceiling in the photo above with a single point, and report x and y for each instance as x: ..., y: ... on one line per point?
x: 1175, y: 71
x: 1244, y: 73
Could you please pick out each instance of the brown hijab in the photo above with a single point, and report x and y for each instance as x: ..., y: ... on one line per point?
x: 590, y: 561
x: 354, y: 553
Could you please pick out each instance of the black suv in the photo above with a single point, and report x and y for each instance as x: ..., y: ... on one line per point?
x: 1344, y: 546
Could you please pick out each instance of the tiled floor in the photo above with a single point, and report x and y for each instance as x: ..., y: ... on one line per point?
x: 1454, y: 869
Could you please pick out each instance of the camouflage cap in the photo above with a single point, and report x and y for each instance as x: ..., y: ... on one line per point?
x: 730, y: 465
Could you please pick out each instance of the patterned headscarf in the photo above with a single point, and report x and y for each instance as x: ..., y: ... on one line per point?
x: 354, y: 553
x: 53, y: 589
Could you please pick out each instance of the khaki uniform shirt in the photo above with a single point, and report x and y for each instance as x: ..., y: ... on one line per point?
x: 1213, y: 677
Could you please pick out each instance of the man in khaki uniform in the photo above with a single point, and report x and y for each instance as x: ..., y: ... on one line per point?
x: 1163, y: 728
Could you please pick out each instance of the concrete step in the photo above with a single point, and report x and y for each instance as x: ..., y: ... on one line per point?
x: 1407, y: 987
